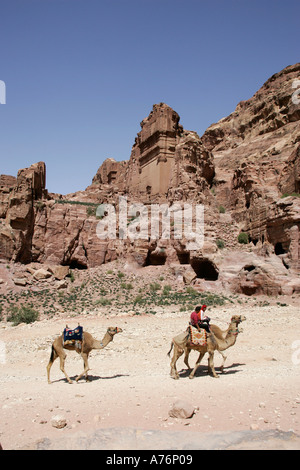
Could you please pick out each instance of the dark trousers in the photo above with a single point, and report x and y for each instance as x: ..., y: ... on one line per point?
x: 204, y: 325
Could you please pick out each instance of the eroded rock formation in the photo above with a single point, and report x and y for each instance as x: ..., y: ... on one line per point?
x: 245, y: 170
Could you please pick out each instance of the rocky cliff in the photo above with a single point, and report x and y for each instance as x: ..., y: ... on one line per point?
x: 245, y: 170
x: 257, y: 158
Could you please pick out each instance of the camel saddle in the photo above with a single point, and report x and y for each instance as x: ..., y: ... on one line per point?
x: 73, y: 337
x: 197, y: 338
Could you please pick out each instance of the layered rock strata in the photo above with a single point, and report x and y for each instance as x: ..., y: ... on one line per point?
x: 245, y: 170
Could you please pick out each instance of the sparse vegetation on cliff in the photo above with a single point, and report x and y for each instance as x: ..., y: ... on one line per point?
x: 108, y: 290
x: 243, y: 238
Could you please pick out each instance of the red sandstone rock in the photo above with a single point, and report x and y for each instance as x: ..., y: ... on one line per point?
x: 243, y: 165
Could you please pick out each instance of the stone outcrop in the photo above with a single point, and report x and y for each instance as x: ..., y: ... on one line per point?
x: 289, y: 181
x: 270, y: 109
x: 111, y: 173
x: 18, y: 212
x: 256, y: 155
x: 165, y: 158
x: 152, y: 158
x: 65, y: 234
x: 166, y: 162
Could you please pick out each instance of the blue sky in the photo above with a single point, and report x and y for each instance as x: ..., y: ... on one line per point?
x: 80, y: 75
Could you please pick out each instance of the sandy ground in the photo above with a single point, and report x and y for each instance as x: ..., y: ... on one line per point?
x: 130, y: 384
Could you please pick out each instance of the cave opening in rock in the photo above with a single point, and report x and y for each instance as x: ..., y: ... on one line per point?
x: 155, y: 259
x: 205, y: 269
x: 279, y: 250
x: 249, y: 268
x: 249, y: 289
x: 184, y: 258
x: 76, y: 265
x: 253, y: 240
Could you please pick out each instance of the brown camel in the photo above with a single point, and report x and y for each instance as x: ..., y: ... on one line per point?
x: 88, y: 344
x: 218, y: 340
x: 219, y: 334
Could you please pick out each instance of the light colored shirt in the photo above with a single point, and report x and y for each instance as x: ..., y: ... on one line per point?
x: 201, y: 315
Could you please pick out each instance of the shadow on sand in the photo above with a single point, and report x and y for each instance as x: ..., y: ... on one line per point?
x: 91, y: 378
x: 203, y: 370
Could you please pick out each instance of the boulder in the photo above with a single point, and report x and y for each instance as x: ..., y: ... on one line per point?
x: 189, y: 274
x: 182, y: 409
x: 41, y: 274
x: 63, y: 284
x: 20, y: 282
x: 58, y: 422
x: 59, y: 272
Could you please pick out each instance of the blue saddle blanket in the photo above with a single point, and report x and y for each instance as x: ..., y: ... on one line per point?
x: 73, y: 335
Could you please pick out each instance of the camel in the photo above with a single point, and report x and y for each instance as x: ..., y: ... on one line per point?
x: 88, y: 344
x: 218, y: 340
x: 221, y: 335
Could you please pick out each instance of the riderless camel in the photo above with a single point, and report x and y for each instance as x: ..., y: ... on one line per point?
x: 88, y: 344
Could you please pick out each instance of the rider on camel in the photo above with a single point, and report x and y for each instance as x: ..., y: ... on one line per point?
x: 199, y: 319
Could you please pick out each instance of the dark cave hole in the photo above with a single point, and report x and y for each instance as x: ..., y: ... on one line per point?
x: 154, y: 259
x: 249, y: 268
x: 279, y: 250
x: 205, y: 269
x: 76, y: 265
x: 184, y: 258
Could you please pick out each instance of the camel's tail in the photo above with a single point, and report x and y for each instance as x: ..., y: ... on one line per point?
x: 172, y: 344
x: 52, y: 354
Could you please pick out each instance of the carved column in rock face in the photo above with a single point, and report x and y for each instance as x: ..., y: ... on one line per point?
x: 294, y: 249
x: 152, y: 158
x: 165, y: 157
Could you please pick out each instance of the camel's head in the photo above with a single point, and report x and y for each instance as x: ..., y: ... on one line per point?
x: 113, y: 330
x: 238, y: 319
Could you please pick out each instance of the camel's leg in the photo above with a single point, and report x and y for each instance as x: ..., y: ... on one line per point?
x: 176, y: 355
x: 51, y: 360
x: 186, y: 357
x: 224, y: 359
x: 62, y: 357
x: 211, y: 366
x: 86, y: 367
x: 192, y: 374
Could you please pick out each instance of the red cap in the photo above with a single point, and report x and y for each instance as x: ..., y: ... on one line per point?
x: 204, y: 306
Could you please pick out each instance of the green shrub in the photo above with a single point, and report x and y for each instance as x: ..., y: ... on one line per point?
x: 220, y: 243
x: 125, y: 286
x: 243, y: 238
x: 103, y: 302
x: 22, y: 315
x: 91, y: 211
x: 221, y: 210
x: 154, y: 287
x: 290, y: 194
x: 167, y: 289
x: 190, y: 290
x: 78, y: 203
x: 138, y: 300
